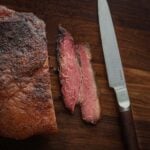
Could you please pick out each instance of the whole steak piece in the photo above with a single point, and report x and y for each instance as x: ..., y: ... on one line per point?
x: 26, y: 105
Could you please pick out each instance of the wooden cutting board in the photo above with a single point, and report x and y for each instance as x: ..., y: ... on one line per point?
x: 132, y: 23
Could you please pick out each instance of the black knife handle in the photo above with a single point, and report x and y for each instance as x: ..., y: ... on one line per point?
x: 128, y: 129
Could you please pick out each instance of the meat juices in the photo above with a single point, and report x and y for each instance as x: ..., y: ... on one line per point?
x: 77, y: 78
x: 26, y: 105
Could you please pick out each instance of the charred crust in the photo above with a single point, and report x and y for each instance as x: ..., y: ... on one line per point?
x: 61, y: 30
x: 20, y: 46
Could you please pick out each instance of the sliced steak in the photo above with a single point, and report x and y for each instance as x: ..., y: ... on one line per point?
x: 69, y: 69
x: 89, y: 101
x: 26, y: 105
x: 77, y: 78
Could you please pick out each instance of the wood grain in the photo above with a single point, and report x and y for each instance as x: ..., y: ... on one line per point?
x: 132, y: 23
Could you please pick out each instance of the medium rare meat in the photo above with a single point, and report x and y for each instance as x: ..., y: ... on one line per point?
x: 76, y: 76
x: 26, y: 105
x: 69, y: 69
x: 89, y: 101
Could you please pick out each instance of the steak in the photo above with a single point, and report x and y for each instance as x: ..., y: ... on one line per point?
x: 26, y: 105
x: 70, y: 76
x: 89, y: 101
x: 77, y: 78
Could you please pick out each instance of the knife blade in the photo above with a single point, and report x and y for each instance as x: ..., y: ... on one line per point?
x: 115, y: 73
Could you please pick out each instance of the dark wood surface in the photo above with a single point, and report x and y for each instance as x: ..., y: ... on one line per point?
x: 132, y: 23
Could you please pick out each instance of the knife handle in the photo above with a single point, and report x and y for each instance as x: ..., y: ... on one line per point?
x: 127, y: 122
x: 128, y: 129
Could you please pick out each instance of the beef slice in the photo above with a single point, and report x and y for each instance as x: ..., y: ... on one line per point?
x: 89, y: 100
x: 77, y: 78
x: 69, y: 69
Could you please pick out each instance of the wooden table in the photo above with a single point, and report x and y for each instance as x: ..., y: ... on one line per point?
x: 132, y: 23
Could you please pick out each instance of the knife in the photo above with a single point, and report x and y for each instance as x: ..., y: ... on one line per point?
x: 115, y: 74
